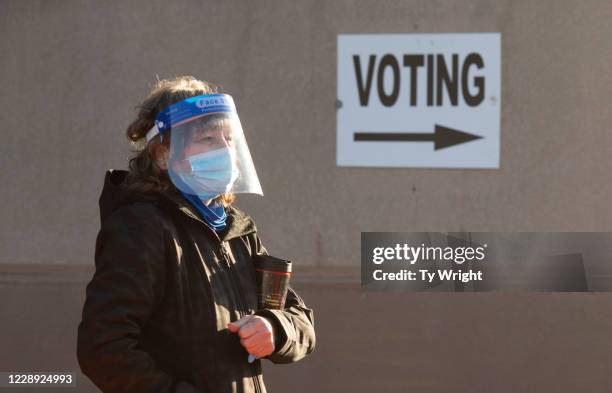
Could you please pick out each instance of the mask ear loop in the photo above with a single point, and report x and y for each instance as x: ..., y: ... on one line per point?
x: 164, y: 137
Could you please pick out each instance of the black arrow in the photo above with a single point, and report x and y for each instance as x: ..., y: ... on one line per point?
x: 442, y: 137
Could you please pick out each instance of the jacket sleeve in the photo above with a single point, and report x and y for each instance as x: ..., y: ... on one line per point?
x: 128, y: 283
x: 295, y: 334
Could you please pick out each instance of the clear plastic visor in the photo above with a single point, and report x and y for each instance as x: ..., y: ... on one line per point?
x: 209, y: 156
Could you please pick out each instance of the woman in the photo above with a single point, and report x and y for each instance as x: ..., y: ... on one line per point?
x: 172, y: 305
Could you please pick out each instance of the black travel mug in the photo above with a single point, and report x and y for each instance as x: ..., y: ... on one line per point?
x: 272, y: 275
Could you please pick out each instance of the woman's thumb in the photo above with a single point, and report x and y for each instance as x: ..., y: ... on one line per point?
x: 235, y: 326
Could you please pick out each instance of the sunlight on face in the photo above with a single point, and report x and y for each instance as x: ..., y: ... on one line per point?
x: 206, y: 134
x: 203, y: 135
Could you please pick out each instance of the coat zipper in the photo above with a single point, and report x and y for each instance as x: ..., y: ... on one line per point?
x: 243, y: 306
x: 237, y: 289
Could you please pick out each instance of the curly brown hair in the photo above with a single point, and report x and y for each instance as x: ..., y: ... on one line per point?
x: 146, y: 174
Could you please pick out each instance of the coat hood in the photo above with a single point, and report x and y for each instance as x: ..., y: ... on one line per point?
x: 115, y: 194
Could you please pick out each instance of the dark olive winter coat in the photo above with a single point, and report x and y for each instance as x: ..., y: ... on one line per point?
x: 166, y: 286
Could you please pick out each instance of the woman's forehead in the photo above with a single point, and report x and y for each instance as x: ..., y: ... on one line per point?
x: 208, y: 123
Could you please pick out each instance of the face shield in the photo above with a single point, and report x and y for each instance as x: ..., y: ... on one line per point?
x: 209, y: 155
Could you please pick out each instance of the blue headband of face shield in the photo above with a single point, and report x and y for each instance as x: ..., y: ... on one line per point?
x: 190, y: 109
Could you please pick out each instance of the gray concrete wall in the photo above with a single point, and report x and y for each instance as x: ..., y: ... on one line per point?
x: 71, y: 73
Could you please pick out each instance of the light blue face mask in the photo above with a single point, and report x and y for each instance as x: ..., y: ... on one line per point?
x: 212, y: 173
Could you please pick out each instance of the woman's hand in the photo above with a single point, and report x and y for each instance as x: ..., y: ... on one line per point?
x: 256, y: 334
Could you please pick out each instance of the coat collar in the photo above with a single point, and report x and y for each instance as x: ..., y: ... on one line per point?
x: 238, y: 222
x: 114, y: 194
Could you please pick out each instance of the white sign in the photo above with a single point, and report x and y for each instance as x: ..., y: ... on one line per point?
x: 419, y: 100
